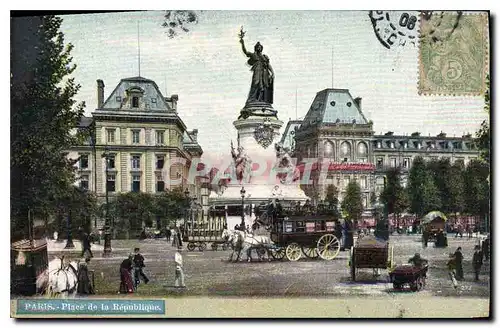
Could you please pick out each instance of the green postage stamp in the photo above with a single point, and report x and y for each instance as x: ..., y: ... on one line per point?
x: 453, y: 56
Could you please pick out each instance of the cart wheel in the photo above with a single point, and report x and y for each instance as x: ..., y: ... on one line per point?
x: 214, y: 246
x: 191, y: 247
x: 310, y: 252
x: 352, y: 263
x: 202, y: 247
x: 293, y: 252
x: 328, y: 247
x: 278, y: 253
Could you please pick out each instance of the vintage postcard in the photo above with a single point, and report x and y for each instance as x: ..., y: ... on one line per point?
x: 302, y: 164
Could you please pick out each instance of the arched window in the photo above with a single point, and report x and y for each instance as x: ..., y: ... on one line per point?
x: 345, y: 151
x: 362, y: 152
x: 329, y: 149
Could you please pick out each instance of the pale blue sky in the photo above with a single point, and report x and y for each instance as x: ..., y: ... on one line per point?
x: 208, y: 71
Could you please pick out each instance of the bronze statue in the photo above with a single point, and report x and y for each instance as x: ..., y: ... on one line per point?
x: 261, y: 89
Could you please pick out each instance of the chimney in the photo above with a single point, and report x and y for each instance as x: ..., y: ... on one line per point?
x: 100, y: 93
x: 194, y: 134
x: 358, y: 101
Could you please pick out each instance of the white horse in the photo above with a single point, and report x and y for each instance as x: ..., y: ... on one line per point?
x: 246, y: 242
x: 59, y: 279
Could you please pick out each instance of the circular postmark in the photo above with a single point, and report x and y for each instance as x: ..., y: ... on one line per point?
x: 395, y: 28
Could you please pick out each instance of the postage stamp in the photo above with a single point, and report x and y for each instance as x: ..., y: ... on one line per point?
x: 453, y: 57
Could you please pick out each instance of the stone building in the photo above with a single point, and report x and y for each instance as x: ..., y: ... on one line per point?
x: 335, y: 132
x: 148, y: 146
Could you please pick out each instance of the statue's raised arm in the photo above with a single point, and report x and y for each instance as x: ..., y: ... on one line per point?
x: 242, y: 35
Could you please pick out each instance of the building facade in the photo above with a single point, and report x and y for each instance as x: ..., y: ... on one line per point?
x: 336, y: 133
x: 147, y: 145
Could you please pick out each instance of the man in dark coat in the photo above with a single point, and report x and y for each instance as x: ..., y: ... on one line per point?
x: 138, y: 267
x: 84, y: 284
x: 86, y: 244
x: 486, y: 248
x: 348, y: 234
x: 417, y: 260
x: 459, y: 257
x: 338, y: 232
x: 477, y: 261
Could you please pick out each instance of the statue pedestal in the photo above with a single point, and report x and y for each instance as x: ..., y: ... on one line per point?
x: 257, y: 134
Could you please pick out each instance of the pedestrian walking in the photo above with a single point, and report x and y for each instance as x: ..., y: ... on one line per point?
x: 477, y: 262
x: 452, y: 270
x: 168, y: 233
x: 425, y: 238
x: 486, y: 248
x: 85, y: 286
x: 138, y: 268
x: 126, y: 283
x: 86, y: 245
x: 179, y: 272
x: 458, y: 260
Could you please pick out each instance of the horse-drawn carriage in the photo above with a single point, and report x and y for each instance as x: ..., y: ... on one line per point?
x: 28, y: 262
x: 200, y: 229
x: 413, y: 276
x: 371, y: 253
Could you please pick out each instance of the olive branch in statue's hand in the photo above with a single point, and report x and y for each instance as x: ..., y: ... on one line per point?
x: 241, y: 35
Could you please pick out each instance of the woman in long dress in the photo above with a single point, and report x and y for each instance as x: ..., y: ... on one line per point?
x: 84, y: 285
x: 261, y: 89
x: 126, y: 284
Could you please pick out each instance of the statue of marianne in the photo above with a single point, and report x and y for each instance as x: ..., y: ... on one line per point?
x: 261, y: 89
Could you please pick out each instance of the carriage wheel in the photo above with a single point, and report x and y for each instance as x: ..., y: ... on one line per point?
x: 310, y: 252
x: 261, y: 251
x: 352, y: 264
x: 328, y: 247
x: 293, y: 252
x: 278, y: 253
x: 191, y: 247
x: 214, y: 246
x: 202, y: 247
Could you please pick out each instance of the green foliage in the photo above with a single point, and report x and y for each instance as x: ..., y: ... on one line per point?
x: 423, y: 193
x: 352, y: 204
x: 483, y: 135
x: 43, y: 114
x: 476, y: 190
x: 392, y: 195
x: 440, y: 170
x: 332, y: 199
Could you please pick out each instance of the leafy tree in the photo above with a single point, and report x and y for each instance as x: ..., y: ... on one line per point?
x: 440, y: 170
x: 476, y: 189
x: 456, y: 197
x: 422, y: 190
x: 352, y: 204
x: 483, y: 135
x: 179, y: 20
x: 332, y: 199
x: 43, y: 114
x: 392, y: 189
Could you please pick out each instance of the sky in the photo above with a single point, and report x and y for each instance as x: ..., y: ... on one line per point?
x: 208, y: 70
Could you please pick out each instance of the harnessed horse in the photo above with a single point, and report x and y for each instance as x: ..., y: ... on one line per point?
x: 59, y: 279
x: 246, y: 242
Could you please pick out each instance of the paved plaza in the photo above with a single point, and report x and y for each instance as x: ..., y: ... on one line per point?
x: 209, y: 273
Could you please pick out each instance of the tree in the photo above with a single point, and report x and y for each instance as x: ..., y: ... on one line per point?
x: 440, y: 170
x: 332, y: 199
x: 422, y: 190
x: 476, y: 189
x: 456, y: 198
x: 392, y: 189
x: 43, y: 115
x: 176, y: 20
x: 483, y: 135
x: 352, y: 204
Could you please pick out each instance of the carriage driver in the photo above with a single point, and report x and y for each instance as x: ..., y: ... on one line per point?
x: 418, y: 261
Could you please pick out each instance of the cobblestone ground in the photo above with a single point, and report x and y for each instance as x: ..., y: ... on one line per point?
x: 209, y: 273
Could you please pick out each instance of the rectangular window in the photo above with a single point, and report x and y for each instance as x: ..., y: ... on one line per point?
x: 110, y: 184
x: 160, y: 137
x: 135, y: 102
x: 84, y: 182
x: 393, y: 162
x: 362, y: 182
x: 118, y: 99
x: 136, y: 162
x: 309, y: 226
x: 406, y: 163
x: 84, y: 161
x: 135, y: 136
x: 362, y: 160
x: 346, y: 181
x: 111, y: 162
x: 160, y: 184
x: 160, y: 162
x: 380, y: 162
x: 136, y: 183
x: 110, y: 135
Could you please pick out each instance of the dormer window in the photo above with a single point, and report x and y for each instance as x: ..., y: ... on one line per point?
x: 135, y: 102
x: 118, y: 99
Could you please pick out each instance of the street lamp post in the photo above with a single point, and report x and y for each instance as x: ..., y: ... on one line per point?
x: 107, y: 232
x: 242, y: 193
x: 69, y: 240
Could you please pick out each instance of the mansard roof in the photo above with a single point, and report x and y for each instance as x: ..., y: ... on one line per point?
x: 153, y: 99
x: 335, y: 106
